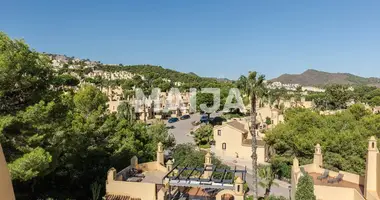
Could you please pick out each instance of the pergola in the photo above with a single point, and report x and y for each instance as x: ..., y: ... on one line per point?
x: 186, y: 177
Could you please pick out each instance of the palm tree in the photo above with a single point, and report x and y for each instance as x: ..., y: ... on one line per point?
x: 267, y: 175
x: 254, y: 87
x: 126, y: 111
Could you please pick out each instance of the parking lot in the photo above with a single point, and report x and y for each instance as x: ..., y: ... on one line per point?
x: 182, y: 128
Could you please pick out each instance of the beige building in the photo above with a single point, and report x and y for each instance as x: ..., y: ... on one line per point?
x: 345, y: 185
x: 233, y: 140
x: 149, y: 181
x: 177, y: 104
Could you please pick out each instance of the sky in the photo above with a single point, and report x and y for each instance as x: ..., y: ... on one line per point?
x: 214, y: 38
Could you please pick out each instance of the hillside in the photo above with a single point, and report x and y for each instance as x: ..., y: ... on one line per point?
x: 63, y: 62
x: 313, y: 77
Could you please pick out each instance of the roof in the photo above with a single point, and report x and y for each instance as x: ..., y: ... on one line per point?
x: 120, y: 197
x: 237, y: 125
x: 196, y: 191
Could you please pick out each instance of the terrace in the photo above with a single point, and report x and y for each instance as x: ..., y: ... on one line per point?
x: 343, y: 184
x: 145, y: 173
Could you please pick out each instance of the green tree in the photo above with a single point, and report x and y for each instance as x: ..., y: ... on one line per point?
x: 25, y: 75
x: 127, y: 112
x: 89, y: 99
x: 305, y: 188
x: 254, y: 87
x: 65, y: 80
x: 203, y: 135
x: 375, y: 101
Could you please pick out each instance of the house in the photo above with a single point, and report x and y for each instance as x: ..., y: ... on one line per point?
x: 158, y: 181
x: 352, y: 186
x: 233, y: 140
x: 376, y: 110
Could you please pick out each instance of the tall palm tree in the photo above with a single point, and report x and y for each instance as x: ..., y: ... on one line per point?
x: 267, y: 175
x: 254, y: 87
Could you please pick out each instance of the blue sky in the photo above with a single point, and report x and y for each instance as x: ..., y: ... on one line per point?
x: 218, y: 38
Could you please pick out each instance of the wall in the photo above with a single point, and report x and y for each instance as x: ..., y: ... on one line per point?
x: 350, y: 177
x: 145, y: 191
x: 378, y: 175
x: 335, y: 193
x: 233, y: 140
x: 6, y: 188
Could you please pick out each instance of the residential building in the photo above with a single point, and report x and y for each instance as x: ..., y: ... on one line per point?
x: 233, y: 141
x: 154, y: 181
x: 351, y: 187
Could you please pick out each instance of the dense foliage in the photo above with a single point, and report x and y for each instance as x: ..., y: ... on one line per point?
x: 203, y: 135
x: 337, y: 96
x: 305, y: 188
x: 343, y: 137
x: 58, y: 143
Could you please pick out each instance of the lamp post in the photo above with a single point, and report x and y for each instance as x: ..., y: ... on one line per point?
x: 290, y: 194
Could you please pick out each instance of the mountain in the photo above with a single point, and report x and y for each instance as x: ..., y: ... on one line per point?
x: 313, y: 77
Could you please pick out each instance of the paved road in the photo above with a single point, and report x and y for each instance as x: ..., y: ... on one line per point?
x: 182, y: 128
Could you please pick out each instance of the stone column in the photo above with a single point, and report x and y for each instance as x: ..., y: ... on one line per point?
x: 160, y: 154
x: 169, y: 165
x: 318, y: 160
x: 239, y: 186
x: 207, y: 165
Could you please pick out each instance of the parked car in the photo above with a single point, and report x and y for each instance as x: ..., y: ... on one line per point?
x: 173, y: 119
x: 183, y: 117
x: 204, y: 119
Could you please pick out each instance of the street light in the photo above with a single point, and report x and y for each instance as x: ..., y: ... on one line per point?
x: 290, y: 189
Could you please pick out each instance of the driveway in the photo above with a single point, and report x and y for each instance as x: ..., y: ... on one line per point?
x: 182, y: 128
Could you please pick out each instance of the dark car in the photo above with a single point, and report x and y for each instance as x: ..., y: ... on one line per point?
x: 204, y: 119
x: 173, y: 119
x: 185, y: 117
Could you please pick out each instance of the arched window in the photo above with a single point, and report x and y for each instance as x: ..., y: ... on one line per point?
x: 219, y: 132
x: 373, y: 145
x: 224, y: 146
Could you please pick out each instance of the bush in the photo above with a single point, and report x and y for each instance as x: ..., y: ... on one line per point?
x: 305, y: 188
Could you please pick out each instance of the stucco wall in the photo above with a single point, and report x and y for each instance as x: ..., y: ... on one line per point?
x: 6, y: 188
x: 233, y: 140
x: 378, y: 176
x: 145, y: 191
x: 335, y: 193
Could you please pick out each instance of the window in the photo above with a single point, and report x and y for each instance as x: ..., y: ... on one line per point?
x: 219, y: 132
x: 373, y: 145
x: 224, y: 146
x: 238, y: 188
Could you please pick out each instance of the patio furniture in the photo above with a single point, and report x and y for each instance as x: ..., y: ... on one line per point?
x: 337, y: 179
x: 303, y: 171
x: 325, y: 175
